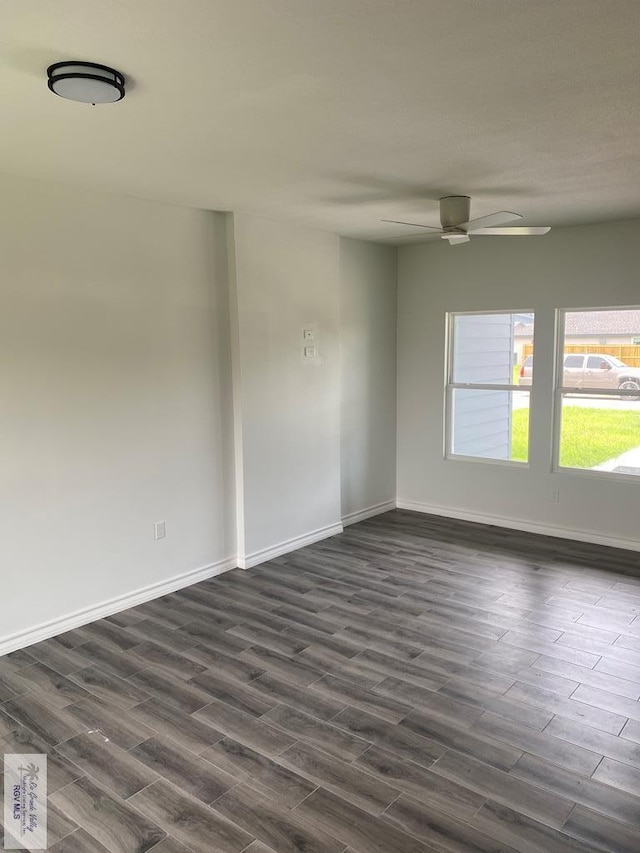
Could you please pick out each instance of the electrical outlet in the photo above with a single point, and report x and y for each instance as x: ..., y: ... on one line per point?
x: 555, y: 496
x: 309, y: 335
x: 160, y: 529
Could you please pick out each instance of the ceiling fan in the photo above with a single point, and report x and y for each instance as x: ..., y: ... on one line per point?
x: 457, y: 227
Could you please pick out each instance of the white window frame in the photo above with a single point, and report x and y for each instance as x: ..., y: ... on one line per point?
x: 450, y: 386
x: 560, y: 392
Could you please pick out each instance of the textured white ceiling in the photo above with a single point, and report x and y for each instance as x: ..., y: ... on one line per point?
x: 336, y: 113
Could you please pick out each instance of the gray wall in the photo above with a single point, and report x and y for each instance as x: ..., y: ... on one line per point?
x: 587, y: 266
x: 367, y: 375
x: 287, y: 415
x: 115, y: 393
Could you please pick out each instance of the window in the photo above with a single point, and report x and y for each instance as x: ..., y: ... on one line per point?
x: 598, y: 391
x: 489, y: 378
x: 574, y: 361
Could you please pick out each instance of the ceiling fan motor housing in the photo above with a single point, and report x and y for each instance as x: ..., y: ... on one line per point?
x: 454, y: 210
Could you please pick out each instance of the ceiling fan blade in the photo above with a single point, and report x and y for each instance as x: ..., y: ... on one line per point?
x: 417, y: 238
x: 518, y: 231
x: 414, y: 224
x: 458, y: 238
x: 492, y: 219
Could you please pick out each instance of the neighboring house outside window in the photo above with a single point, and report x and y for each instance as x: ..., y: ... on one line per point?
x: 482, y: 393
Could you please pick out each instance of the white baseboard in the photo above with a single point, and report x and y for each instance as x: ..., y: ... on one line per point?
x: 369, y: 512
x: 115, y: 605
x: 248, y: 561
x: 521, y: 524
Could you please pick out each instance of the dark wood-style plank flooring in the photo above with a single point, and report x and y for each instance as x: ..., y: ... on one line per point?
x: 415, y: 684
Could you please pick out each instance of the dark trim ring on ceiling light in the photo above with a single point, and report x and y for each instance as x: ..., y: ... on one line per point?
x: 86, y: 82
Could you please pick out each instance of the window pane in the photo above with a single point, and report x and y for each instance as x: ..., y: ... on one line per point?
x: 490, y: 424
x: 595, y: 362
x: 492, y: 348
x: 601, y: 349
x: 573, y: 361
x: 600, y: 434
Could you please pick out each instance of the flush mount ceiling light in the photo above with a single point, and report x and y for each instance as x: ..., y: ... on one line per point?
x: 86, y: 82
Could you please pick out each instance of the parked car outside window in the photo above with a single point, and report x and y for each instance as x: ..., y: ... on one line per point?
x: 589, y: 370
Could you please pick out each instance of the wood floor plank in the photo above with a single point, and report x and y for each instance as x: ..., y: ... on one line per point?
x: 602, y: 833
x: 595, y: 795
x: 331, y: 739
x: 286, y: 667
x: 631, y: 731
x: 523, y: 833
x: 182, y: 728
x: 570, y: 709
x: 452, y: 736
x: 112, y: 822
x: 233, y: 692
x: 224, y: 663
x: 111, y: 766
x: 347, y: 780
x: 591, y: 677
x: 620, y: 775
x: 442, y: 832
x: 413, y: 684
x: 59, y: 690
x: 505, y: 788
x: 553, y: 650
x: 460, y: 690
x: 176, y: 663
x: 108, y: 632
x: 271, y: 778
x: 16, y: 738
x: 284, y: 830
x: 354, y: 826
x: 195, y: 776
x: 59, y: 825
x: 113, y: 660
x: 37, y: 713
x: 421, y: 784
x: 314, y: 699
x: 432, y: 702
x: 595, y: 741
x: 79, y: 842
x: 400, y: 741
x: 284, y: 644
x: 602, y: 699
x: 160, y: 632
x: 170, y: 845
x: 390, y: 709
x: 184, y: 696
x: 188, y: 820
x: 104, y: 685
x: 120, y: 727
x: 56, y: 656
x: 538, y: 743
x: 257, y: 734
x: 356, y: 670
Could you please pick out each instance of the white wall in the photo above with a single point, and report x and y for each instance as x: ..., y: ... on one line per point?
x: 368, y: 376
x: 587, y: 266
x: 114, y: 398
x: 287, y: 411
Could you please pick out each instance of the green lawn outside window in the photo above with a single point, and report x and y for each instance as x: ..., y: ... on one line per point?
x: 589, y: 437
